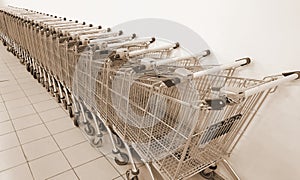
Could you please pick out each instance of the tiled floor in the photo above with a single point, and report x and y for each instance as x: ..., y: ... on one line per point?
x: 38, y: 139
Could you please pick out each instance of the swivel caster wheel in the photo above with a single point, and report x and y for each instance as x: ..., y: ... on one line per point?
x: 208, y: 174
x: 119, y: 142
x: 89, y: 129
x: 31, y: 70
x: 34, y: 74
x: 134, y: 177
x: 39, y: 78
x: 89, y: 114
x: 124, y: 160
x: 57, y: 97
x: 70, y: 110
x: 97, y: 143
x: 65, y: 104
x: 28, y: 67
x: 101, y: 126
x: 76, y: 119
x: 52, y: 91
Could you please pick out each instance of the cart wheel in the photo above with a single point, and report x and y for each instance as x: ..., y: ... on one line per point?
x: 89, y: 129
x: 98, y: 143
x: 58, y: 100
x: 44, y: 83
x: 31, y: 70
x: 89, y: 114
x: 76, y: 119
x: 39, y: 78
x: 70, y: 110
x: 52, y: 92
x: 34, y: 74
x: 47, y: 86
x: 101, y: 125
x: 28, y: 67
x: 124, y: 157
x: 65, y: 104
x: 129, y: 173
x: 135, y: 178
x: 119, y: 142
x: 209, y: 175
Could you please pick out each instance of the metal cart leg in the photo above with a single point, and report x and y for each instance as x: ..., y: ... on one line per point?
x: 49, y: 82
x: 121, y: 158
x: 76, y: 109
x: 44, y: 78
x: 148, y: 168
x: 61, y: 96
x: 97, y: 141
x: 54, y: 89
x: 230, y: 169
x: 134, y: 170
x: 89, y: 129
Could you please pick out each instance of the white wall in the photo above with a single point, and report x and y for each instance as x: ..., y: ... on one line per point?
x: 268, y: 31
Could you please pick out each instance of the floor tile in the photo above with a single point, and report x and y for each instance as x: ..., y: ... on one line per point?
x: 10, y: 89
x: 11, y: 157
x: 119, y: 178
x: 21, y: 75
x: 2, y: 107
x: 8, y: 82
x: 95, y: 169
x: 106, y: 147
x: 122, y: 169
x: 49, y: 166
x: 21, y: 111
x: 13, y: 95
x: 32, y: 133
x: 27, y: 85
x: 3, y: 116
x: 27, y: 121
x: 53, y: 114
x: 6, y: 127
x: 39, y: 97
x: 145, y: 175
x: 81, y: 153
x: 45, y: 105
x: 17, y: 103
x: 69, y: 138
x: 8, y: 141
x: 69, y: 175
x: 35, y: 90
x: 17, y: 173
x: 39, y: 148
x: 25, y: 81
x: 60, y: 125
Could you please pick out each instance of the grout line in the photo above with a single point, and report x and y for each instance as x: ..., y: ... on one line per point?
x: 18, y: 141
x: 51, y: 135
x: 13, y: 167
x: 9, y: 148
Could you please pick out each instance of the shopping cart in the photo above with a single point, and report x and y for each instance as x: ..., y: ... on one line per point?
x: 177, y: 114
x: 186, y: 123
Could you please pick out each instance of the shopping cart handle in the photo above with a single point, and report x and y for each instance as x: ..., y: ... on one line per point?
x: 216, y: 104
x: 139, y: 68
x: 248, y: 61
x: 290, y: 73
x: 206, y: 53
x: 171, y: 82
